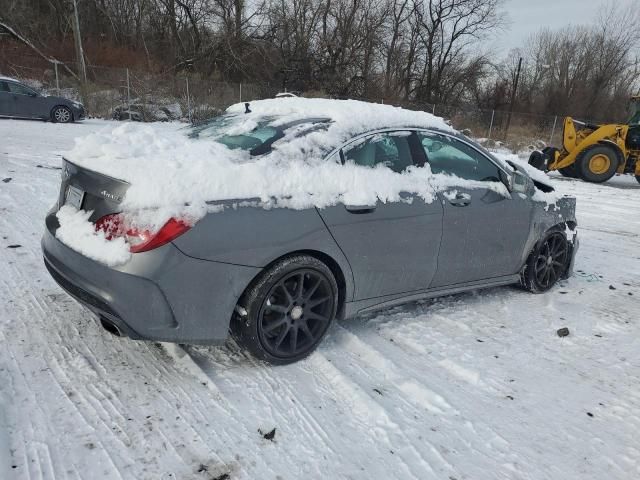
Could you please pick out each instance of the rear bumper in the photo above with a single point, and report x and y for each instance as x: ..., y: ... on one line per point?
x: 161, y: 295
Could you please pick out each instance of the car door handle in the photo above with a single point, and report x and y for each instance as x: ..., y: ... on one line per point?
x: 460, y: 200
x: 360, y: 209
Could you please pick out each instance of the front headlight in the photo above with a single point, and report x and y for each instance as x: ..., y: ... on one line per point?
x: 77, y: 104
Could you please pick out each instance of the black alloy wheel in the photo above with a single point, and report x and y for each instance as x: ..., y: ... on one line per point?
x: 296, y: 313
x: 547, y: 264
x: 551, y: 262
x: 286, y: 311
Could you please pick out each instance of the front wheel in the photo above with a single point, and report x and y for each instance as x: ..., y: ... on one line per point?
x: 61, y: 114
x: 547, y: 263
x: 597, y: 163
x: 288, y: 310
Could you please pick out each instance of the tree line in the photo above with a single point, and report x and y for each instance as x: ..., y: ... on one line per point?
x: 419, y: 51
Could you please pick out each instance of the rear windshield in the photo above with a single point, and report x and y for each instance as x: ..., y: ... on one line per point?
x: 235, y: 133
x: 255, y: 139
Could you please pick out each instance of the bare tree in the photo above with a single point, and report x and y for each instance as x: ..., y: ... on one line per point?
x: 448, y: 30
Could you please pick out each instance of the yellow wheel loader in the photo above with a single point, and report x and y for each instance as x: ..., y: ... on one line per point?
x: 595, y: 153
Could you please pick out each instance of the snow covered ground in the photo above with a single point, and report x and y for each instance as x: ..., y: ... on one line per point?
x: 473, y: 386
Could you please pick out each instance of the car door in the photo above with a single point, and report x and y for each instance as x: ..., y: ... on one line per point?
x: 6, y: 100
x: 485, y: 228
x: 27, y: 102
x: 392, y: 247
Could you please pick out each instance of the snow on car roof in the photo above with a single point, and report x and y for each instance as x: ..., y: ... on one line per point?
x: 174, y: 174
x: 350, y: 116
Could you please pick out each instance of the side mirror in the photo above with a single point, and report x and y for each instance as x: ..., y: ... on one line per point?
x: 519, y: 182
x: 32, y: 94
x: 507, y: 179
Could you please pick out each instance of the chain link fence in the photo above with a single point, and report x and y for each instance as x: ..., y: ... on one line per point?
x: 122, y: 94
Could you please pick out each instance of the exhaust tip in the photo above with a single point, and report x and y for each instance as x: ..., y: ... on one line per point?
x: 110, y: 327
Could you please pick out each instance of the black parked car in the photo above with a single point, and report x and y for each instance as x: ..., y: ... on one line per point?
x: 17, y: 100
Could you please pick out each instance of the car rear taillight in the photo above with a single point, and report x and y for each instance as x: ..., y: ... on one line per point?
x: 140, y: 240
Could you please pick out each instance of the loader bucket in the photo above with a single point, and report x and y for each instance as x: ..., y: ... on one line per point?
x: 538, y: 160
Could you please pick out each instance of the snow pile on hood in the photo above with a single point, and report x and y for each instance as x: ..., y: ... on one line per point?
x: 78, y: 233
x: 167, y: 168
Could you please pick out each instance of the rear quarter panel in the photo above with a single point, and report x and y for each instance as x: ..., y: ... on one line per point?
x: 256, y: 236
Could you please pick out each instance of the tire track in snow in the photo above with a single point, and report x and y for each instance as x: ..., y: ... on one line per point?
x: 275, y: 389
x: 398, y: 389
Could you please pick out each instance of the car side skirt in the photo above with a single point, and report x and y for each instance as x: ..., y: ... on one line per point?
x: 378, y: 303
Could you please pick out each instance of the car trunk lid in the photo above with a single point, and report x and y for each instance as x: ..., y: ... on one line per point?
x: 90, y: 191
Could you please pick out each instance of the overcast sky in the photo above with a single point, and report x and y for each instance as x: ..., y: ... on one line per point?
x: 527, y: 16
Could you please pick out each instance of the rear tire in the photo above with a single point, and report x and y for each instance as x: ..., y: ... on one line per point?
x: 289, y: 308
x: 547, y: 263
x: 597, y: 163
x: 570, y: 172
x: 61, y: 114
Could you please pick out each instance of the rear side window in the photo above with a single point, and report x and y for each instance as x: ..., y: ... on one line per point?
x: 388, y: 149
x: 19, y: 89
x: 4, y: 87
x: 449, y: 156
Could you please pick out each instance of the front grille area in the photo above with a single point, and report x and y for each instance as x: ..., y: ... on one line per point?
x: 78, y: 292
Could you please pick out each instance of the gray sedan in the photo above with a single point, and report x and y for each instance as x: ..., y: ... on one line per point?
x: 18, y: 100
x: 277, y: 278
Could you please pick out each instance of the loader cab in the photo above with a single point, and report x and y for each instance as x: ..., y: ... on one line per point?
x: 634, y: 109
x: 633, y: 136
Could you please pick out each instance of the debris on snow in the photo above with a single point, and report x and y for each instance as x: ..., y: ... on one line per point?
x: 563, y: 332
x: 48, y: 167
x: 270, y: 435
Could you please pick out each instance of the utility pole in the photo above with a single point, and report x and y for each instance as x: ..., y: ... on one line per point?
x: 513, y: 98
x: 82, y: 73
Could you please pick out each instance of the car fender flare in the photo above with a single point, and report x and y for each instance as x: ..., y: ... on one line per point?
x: 344, y: 279
x: 558, y: 227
